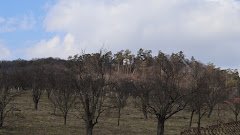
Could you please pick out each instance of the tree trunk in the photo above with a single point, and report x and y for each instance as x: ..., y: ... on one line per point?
x: 1, y: 120
x: 145, y: 101
x: 89, y: 128
x: 160, y: 126
x: 236, y: 117
x: 191, y: 118
x: 65, y: 119
x: 119, y: 115
x: 48, y: 94
x: 144, y: 110
x: 118, y: 67
x: 199, y: 121
x: 218, y: 114
x: 36, y: 105
x: 210, y: 112
x: 54, y: 110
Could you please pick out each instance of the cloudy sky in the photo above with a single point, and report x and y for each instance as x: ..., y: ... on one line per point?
x: 209, y: 30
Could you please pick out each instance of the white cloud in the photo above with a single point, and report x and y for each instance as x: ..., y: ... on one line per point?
x: 4, y: 52
x: 206, y: 29
x: 54, y: 47
x: 11, y: 24
x: 144, y: 18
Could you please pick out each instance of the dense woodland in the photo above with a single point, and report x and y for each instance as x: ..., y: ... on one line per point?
x: 92, y: 84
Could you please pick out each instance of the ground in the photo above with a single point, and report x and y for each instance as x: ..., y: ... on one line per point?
x: 31, y: 122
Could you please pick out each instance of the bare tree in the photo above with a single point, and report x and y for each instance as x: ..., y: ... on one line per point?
x: 37, y: 82
x: 7, y: 93
x: 63, y: 95
x: 234, y: 105
x: 91, y: 81
x: 234, y: 101
x: 217, y: 90
x: 143, y: 74
x: 143, y: 87
x: 199, y: 87
x: 166, y: 97
x: 120, y: 93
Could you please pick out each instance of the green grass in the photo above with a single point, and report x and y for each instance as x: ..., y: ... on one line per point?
x: 42, y: 122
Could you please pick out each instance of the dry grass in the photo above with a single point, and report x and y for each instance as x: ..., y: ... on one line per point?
x: 42, y: 122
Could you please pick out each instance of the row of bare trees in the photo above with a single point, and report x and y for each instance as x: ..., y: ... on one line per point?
x: 160, y: 85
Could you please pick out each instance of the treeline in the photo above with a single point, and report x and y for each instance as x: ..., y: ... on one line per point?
x: 160, y: 85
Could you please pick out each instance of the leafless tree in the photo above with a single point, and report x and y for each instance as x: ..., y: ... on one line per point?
x: 217, y: 90
x: 166, y: 97
x: 234, y: 105
x: 120, y: 92
x: 91, y: 81
x: 63, y: 94
x: 143, y: 87
x: 200, y: 89
x: 37, y: 82
x: 234, y: 101
x: 142, y: 77
x: 7, y: 91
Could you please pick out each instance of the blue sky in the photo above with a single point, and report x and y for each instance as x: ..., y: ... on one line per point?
x: 206, y: 29
x: 19, y: 38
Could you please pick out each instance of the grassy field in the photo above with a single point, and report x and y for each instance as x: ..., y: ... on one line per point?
x: 42, y: 122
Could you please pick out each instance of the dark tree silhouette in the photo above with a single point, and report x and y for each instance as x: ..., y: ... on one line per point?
x: 166, y: 89
x: 91, y: 80
x: 7, y: 91
x: 120, y: 93
x: 63, y: 95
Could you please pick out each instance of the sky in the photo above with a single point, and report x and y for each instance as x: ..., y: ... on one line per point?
x: 209, y: 30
